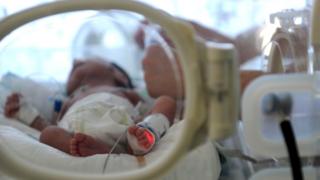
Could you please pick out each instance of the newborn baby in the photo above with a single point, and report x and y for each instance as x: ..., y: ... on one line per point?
x: 100, y: 109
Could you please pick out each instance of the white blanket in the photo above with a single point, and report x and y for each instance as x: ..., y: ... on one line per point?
x: 103, y: 116
x: 202, y: 163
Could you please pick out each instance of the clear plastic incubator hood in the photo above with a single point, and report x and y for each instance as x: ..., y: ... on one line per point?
x: 205, y: 74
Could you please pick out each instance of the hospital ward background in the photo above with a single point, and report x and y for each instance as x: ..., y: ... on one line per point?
x: 159, y: 89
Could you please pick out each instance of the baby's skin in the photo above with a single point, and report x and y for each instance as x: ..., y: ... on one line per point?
x: 79, y: 144
x: 84, y: 145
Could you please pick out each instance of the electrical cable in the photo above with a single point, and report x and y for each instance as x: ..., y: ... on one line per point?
x: 111, y: 151
x: 289, y: 138
x: 281, y: 106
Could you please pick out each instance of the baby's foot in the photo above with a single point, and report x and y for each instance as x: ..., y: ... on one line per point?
x: 84, y: 145
x: 145, y: 139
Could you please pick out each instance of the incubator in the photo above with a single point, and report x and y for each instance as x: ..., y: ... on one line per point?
x: 210, y: 142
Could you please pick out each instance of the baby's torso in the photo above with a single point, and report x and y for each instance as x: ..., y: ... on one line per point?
x: 102, y: 115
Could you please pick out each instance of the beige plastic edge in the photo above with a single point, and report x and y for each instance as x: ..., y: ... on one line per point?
x: 183, y: 37
x: 315, y: 25
x: 315, y: 36
x: 275, y: 64
x: 275, y: 60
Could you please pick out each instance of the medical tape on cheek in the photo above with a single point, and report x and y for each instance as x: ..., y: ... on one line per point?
x: 27, y: 113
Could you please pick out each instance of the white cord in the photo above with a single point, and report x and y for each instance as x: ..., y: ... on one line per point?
x: 112, y: 149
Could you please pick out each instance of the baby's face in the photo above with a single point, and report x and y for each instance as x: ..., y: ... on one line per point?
x: 94, y: 73
x: 90, y: 73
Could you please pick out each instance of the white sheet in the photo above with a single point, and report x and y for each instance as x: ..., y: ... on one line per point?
x: 18, y: 125
x: 202, y: 163
x: 39, y: 95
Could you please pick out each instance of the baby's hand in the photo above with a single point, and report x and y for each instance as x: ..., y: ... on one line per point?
x: 140, y: 139
x: 17, y: 107
x: 12, y: 105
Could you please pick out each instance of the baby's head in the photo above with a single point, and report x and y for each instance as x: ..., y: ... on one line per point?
x: 96, y: 73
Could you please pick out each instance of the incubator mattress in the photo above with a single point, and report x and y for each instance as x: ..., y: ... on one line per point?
x: 202, y: 163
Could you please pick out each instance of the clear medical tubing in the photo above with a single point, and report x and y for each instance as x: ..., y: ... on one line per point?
x: 289, y: 42
x: 183, y: 37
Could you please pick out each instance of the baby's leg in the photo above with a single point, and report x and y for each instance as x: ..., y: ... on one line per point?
x: 84, y: 145
x: 165, y: 105
x: 56, y: 137
x: 77, y: 144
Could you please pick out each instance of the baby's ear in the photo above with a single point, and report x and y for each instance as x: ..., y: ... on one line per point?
x: 78, y: 61
x: 120, y: 79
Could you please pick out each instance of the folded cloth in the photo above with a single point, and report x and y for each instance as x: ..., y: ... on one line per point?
x: 201, y: 163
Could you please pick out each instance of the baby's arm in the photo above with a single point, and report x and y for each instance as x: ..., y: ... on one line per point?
x: 24, y: 112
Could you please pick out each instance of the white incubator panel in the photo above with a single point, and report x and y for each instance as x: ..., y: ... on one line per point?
x: 262, y: 131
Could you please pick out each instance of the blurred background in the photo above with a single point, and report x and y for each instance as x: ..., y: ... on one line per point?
x: 46, y: 46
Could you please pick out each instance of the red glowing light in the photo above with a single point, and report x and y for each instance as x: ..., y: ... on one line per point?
x: 150, y: 137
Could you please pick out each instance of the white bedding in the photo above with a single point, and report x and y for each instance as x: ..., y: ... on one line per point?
x: 202, y: 163
x: 18, y: 125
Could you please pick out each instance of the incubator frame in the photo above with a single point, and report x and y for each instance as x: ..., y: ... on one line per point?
x: 192, y: 52
x: 195, y: 56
